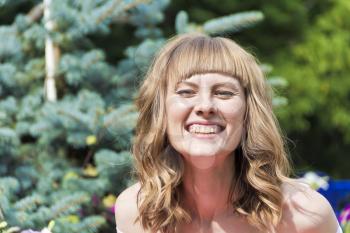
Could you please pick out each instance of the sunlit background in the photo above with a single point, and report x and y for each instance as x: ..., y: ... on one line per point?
x: 69, y: 71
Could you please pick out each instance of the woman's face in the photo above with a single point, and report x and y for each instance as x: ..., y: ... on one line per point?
x: 205, y: 115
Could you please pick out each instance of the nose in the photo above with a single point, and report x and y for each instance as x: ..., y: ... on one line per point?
x: 205, y: 106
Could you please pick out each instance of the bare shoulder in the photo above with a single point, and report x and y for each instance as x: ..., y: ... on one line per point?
x: 126, y: 210
x: 305, y: 210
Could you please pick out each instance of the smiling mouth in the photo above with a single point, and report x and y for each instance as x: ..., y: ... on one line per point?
x: 200, y: 129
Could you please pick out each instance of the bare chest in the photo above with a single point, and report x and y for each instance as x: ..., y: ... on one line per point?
x: 222, y: 225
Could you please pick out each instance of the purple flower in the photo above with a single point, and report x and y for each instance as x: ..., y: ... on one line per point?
x: 111, y: 209
x: 345, y: 215
x: 95, y: 200
x: 347, y: 207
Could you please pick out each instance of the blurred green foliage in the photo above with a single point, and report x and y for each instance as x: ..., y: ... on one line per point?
x: 285, y: 22
x: 318, y: 70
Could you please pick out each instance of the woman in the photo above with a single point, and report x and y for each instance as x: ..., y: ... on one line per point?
x: 208, y: 151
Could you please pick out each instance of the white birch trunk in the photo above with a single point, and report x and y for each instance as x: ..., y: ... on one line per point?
x: 52, y: 56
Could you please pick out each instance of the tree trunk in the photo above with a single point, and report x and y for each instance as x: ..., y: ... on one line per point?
x: 52, y: 56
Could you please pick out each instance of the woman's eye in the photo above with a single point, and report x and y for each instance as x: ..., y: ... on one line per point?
x: 185, y: 92
x: 224, y: 93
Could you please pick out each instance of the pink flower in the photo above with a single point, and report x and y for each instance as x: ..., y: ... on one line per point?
x: 345, y: 215
x: 111, y: 209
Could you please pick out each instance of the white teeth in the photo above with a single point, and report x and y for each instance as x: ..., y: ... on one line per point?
x: 205, y: 129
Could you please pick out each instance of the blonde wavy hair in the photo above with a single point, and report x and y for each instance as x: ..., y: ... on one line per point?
x: 261, y: 162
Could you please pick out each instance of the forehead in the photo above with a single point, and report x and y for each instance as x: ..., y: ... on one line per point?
x: 207, y: 55
x: 210, y: 79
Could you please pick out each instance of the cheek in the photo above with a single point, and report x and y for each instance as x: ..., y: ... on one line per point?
x: 234, y: 117
x: 234, y: 112
x: 176, y: 112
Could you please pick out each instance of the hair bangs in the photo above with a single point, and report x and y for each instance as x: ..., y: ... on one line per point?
x: 208, y: 55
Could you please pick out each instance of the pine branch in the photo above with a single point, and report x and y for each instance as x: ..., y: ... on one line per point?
x: 68, y: 204
x: 2, y: 217
x: 109, y: 12
x: 8, y: 185
x: 36, y: 13
x: 28, y: 203
x: 232, y: 23
x: 90, y: 224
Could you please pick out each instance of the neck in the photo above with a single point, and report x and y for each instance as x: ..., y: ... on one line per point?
x: 207, y: 191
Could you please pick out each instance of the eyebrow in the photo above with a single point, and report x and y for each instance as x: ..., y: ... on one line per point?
x: 225, y: 84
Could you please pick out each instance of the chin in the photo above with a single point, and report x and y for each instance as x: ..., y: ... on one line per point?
x: 204, y: 151
x: 201, y: 157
